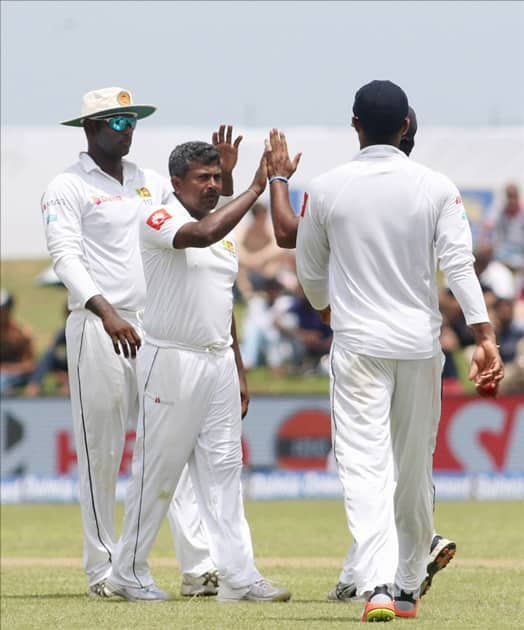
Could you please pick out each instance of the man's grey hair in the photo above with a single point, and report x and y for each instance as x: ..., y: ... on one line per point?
x: 185, y: 154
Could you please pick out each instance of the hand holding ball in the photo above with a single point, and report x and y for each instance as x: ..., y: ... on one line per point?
x: 488, y: 390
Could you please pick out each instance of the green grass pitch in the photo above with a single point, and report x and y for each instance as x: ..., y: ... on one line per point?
x: 299, y: 544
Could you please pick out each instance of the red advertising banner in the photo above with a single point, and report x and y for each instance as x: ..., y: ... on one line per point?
x: 480, y: 435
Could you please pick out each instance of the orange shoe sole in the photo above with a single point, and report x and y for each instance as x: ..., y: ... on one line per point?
x: 407, y: 614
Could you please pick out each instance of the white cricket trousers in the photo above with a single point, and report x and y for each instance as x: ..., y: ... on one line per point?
x: 385, y: 416
x: 189, y: 414
x: 104, y: 402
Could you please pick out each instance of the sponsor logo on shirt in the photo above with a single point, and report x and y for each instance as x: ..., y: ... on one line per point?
x: 304, y: 204
x: 53, y: 202
x: 51, y: 218
x: 143, y: 192
x: 158, y: 218
x: 105, y: 199
x: 458, y: 200
x: 229, y: 245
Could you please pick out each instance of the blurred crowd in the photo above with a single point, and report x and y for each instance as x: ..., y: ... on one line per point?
x: 282, y: 332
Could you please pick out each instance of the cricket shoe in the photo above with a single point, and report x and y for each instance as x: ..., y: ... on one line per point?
x: 440, y: 555
x: 343, y: 592
x: 149, y: 593
x: 379, y: 606
x: 100, y: 590
x: 406, y: 604
x: 201, y: 585
x: 259, y: 591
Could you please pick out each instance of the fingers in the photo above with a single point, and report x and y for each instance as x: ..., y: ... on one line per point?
x: 296, y: 160
x: 215, y: 138
x: 238, y: 141
x: 473, y: 371
x: 229, y: 134
x: 126, y: 342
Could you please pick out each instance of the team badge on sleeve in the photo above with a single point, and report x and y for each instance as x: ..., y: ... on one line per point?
x: 143, y: 192
x: 304, y: 204
x: 228, y: 245
x: 157, y: 219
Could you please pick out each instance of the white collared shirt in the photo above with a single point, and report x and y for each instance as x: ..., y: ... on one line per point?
x: 91, y: 228
x: 368, y: 245
x: 189, y: 291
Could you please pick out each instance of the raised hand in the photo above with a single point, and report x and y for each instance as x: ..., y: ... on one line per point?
x: 258, y: 184
x: 228, y: 150
x: 278, y: 160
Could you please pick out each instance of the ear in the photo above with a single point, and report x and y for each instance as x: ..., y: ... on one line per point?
x: 176, y: 182
x: 355, y: 123
x: 405, y: 126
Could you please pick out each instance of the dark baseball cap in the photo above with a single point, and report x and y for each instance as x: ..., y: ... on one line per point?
x: 381, y: 105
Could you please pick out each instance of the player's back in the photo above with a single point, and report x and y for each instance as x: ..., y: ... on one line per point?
x: 380, y: 212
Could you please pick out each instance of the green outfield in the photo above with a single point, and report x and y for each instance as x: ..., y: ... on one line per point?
x: 299, y: 544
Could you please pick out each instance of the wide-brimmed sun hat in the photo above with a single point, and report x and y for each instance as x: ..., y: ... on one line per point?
x: 107, y: 102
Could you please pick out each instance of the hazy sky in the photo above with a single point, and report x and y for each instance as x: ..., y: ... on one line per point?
x: 263, y: 63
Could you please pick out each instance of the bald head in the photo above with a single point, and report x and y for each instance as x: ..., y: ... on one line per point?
x: 407, y: 142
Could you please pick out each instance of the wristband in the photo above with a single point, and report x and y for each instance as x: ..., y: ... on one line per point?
x: 280, y: 178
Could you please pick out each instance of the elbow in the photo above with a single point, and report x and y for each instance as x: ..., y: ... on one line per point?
x: 285, y: 239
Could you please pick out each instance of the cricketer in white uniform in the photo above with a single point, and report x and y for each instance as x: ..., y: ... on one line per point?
x: 191, y: 380
x: 368, y: 243
x: 91, y: 214
x: 285, y: 223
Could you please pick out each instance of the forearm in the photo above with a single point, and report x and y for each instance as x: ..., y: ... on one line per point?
x: 285, y: 222
x: 227, y: 184
x: 236, y: 349
x: 76, y: 278
x: 215, y: 225
x: 483, y: 332
x: 100, y: 306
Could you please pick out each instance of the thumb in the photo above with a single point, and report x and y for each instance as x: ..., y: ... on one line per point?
x: 296, y: 160
x: 473, y: 370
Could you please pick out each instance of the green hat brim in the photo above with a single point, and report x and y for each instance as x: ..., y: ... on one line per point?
x: 141, y: 111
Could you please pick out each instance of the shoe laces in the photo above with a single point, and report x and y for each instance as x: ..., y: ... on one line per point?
x: 210, y: 577
x: 344, y: 590
x: 263, y: 585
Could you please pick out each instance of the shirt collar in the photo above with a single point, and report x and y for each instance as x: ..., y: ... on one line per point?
x: 89, y: 165
x: 379, y: 151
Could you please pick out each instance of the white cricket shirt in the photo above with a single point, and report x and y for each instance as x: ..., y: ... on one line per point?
x: 91, y: 228
x: 189, y: 300
x: 368, y: 243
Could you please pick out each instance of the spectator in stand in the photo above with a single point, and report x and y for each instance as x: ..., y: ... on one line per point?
x: 53, y: 361
x: 17, y: 355
x: 509, y: 332
x: 262, y: 340
x: 309, y: 337
x: 509, y: 230
x: 258, y: 252
x: 510, y: 337
x: 495, y: 277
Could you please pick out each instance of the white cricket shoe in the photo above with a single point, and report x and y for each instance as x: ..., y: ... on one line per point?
x: 201, y: 585
x: 441, y: 553
x: 149, y: 593
x: 343, y: 592
x: 260, y: 591
x: 100, y: 590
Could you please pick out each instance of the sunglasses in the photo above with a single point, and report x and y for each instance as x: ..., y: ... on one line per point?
x: 119, y: 123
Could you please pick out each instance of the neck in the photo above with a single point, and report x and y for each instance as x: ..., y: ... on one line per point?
x: 108, y: 163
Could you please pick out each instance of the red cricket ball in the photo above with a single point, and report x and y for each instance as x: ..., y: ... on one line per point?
x: 488, y: 390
